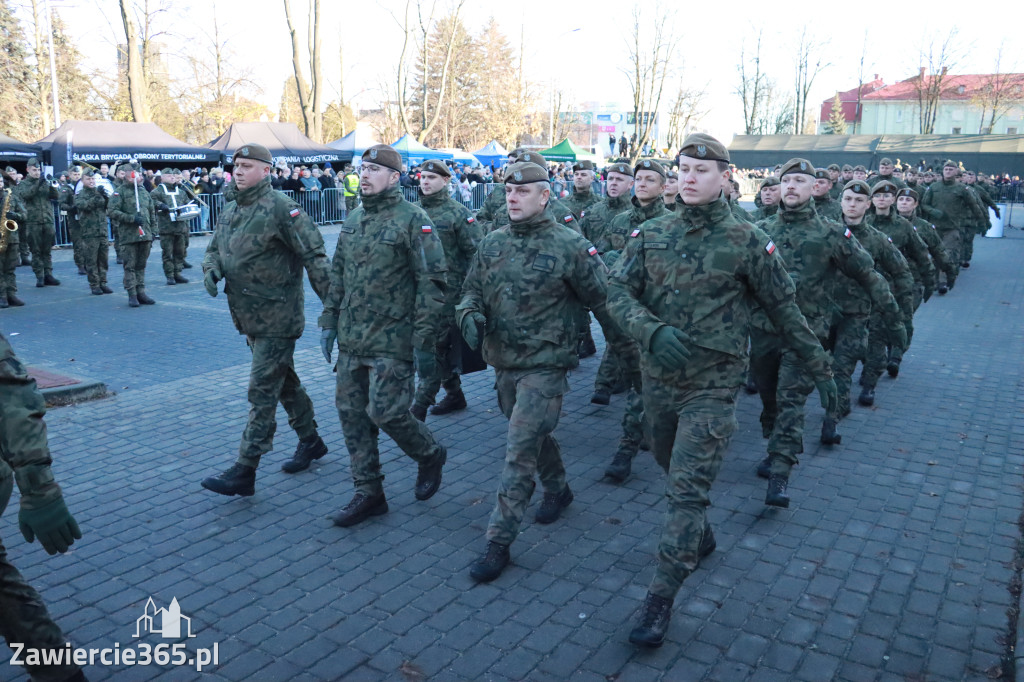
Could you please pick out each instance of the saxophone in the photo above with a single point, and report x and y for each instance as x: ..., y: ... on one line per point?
x: 6, y: 226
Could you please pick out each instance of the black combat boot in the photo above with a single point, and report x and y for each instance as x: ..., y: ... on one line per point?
x: 105, y: 289
x: 428, y: 480
x: 653, y: 622
x: 26, y: 261
x: 50, y: 281
x: 708, y: 544
x: 893, y: 368
x: 619, y: 387
x: 553, y: 504
x: 601, y: 397
x: 943, y: 289
x: 750, y: 387
x: 305, y: 452
x: 965, y: 265
x: 4, y: 303
x: 240, y: 479
x: 586, y: 347
x: 133, y: 301
x: 829, y: 434
x: 622, y: 464
x: 40, y: 282
x: 185, y: 264
x: 361, y: 507
x: 96, y: 291
x: 452, y: 402
x: 14, y: 301
x: 179, y: 279
x: 491, y: 564
x: 170, y: 281
x: 764, y: 467
x: 867, y: 396
x: 777, y: 495
x: 419, y: 411
x: 81, y: 270
x: 144, y: 298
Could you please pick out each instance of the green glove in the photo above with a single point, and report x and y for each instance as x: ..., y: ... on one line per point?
x: 668, y: 346
x: 210, y: 279
x: 471, y: 326
x: 829, y: 395
x: 426, y: 363
x: 52, y: 524
x: 898, y: 335
x: 328, y: 337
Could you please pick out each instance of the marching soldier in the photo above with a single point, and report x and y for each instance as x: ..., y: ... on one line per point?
x: 983, y: 222
x: 36, y: 193
x: 907, y: 206
x: 582, y: 196
x: 834, y: 172
x: 10, y: 258
x: 771, y: 193
x: 167, y: 196
x: 953, y: 210
x: 821, y: 191
x: 66, y: 204
x: 671, y: 189
x: 132, y: 213
x: 885, y: 174
x: 91, y: 206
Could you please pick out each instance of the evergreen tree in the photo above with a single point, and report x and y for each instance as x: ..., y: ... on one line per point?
x: 836, y: 118
x: 17, y: 118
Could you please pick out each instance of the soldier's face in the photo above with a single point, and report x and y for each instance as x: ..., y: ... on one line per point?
x: 929, y: 178
x: 906, y: 205
x: 248, y: 172
x: 647, y: 185
x: 74, y: 176
x: 119, y: 175
x: 770, y: 195
x: 89, y: 181
x: 375, y: 178
x: 854, y: 205
x: 526, y: 201
x: 671, y: 187
x: 885, y: 169
x: 911, y: 177
x: 821, y: 187
x: 882, y: 201
x: 796, y: 188
x: 860, y: 175
x: 847, y: 175
x: 618, y: 184
x: 700, y: 181
x: 431, y: 183
x: 949, y: 172
x: 34, y: 171
x: 582, y: 179
x: 834, y: 174
x: 104, y: 169
x: 969, y: 178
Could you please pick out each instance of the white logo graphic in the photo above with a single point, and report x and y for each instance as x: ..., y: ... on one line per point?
x: 170, y: 621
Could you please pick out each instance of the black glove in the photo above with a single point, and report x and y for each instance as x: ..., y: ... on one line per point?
x: 138, y: 219
x: 161, y: 207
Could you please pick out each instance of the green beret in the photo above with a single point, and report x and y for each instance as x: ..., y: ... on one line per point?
x: 907, y: 192
x: 770, y: 181
x: 847, y: 168
x: 583, y: 165
x: 834, y: 166
x: 32, y: 162
x: 256, y: 152
x: 800, y: 166
x: 885, y: 162
x: 176, y: 171
x: 10, y: 169
x: 620, y: 168
x: 950, y: 162
x: 516, y: 152
x: 703, y: 146
x: 438, y: 167
x: 167, y: 171
x: 88, y: 173
x: 822, y: 174
x: 533, y: 157
x: 649, y: 165
x: 884, y: 187
x: 671, y: 175
x: 857, y: 187
x: 860, y: 168
x: 524, y: 173
x: 383, y: 155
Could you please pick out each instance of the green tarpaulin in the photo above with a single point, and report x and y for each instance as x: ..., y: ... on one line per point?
x: 565, y: 151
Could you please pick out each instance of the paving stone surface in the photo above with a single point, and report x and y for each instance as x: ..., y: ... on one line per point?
x: 893, y: 562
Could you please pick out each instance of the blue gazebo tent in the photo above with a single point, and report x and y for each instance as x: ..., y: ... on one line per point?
x: 459, y: 156
x: 413, y: 152
x: 492, y: 155
x: 353, y: 145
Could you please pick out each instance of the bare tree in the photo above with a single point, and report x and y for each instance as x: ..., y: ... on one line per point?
x: 310, y: 99
x: 753, y: 88
x: 810, y: 60
x: 687, y: 109
x: 937, y: 58
x: 137, y: 82
x: 650, y: 55
x: 1000, y: 92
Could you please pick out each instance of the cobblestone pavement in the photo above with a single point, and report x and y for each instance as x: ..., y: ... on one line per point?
x: 892, y: 564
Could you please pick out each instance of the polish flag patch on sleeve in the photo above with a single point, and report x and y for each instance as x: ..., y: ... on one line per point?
x: 470, y: 219
x: 567, y: 218
x: 915, y: 227
x: 848, y: 234
x: 635, y: 233
x: 592, y: 251
x: 295, y: 211
x: 770, y: 248
x: 427, y: 229
x: 890, y: 240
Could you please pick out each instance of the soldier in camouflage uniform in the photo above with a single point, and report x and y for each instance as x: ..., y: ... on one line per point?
x: 66, y: 205
x: 120, y: 171
x: 25, y: 459
x: 683, y: 289
x: 91, y: 206
x: 983, y: 222
x: 261, y: 244
x: 885, y: 174
x: 814, y: 250
x: 493, y: 207
x: 671, y: 192
x: 770, y: 192
x: 36, y: 193
x: 837, y: 188
x: 883, y: 217
x: 385, y: 309
x: 460, y: 234
x: 525, y: 296
x: 583, y: 196
x: 907, y: 204
x: 173, y: 233
x: 133, y: 215
x: 10, y: 259
x: 823, y: 203
x: 952, y: 209
x: 493, y: 214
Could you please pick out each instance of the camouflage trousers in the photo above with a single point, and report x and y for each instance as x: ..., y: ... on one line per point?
x: 626, y: 352
x: 765, y: 359
x: 9, y: 261
x: 172, y: 253
x: 134, y: 256
x: 690, y: 431
x: 952, y: 241
x: 272, y: 380
x: 967, y: 234
x: 895, y: 352
x: 75, y: 235
x: 94, y: 259
x: 446, y: 374
x: 41, y: 239
x: 374, y: 394
x: 787, y: 438
x: 849, y: 346
x: 532, y: 402
x: 877, y: 356
x: 351, y: 202
x: 23, y: 249
x: 23, y: 616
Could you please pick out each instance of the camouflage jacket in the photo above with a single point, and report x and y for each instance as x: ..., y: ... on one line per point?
x: 894, y: 180
x: 952, y: 206
x: 493, y: 205
x: 16, y: 212
x: 930, y: 236
x: 739, y: 212
x: 261, y: 244
x: 828, y: 209
x: 889, y: 262
x: 697, y: 269
x: 581, y: 200
x: 37, y: 194
x: 494, y: 213
x: 91, y: 207
x: 595, y: 221
x: 460, y: 235
x: 904, y: 237
x: 172, y: 197
x: 23, y: 447
x: 763, y: 213
x: 983, y: 202
x: 387, y: 279
x: 837, y: 190
x: 121, y: 211
x: 814, y: 251
x: 66, y: 204
x: 532, y: 280
x: 623, y: 224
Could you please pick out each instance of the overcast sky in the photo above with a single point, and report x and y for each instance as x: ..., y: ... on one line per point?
x: 586, y: 62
